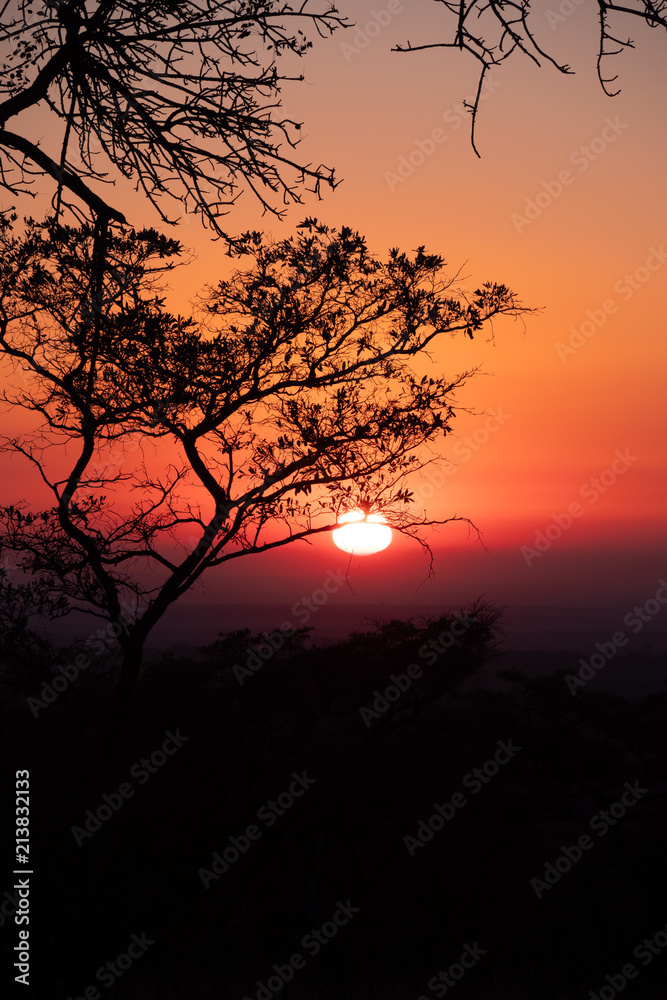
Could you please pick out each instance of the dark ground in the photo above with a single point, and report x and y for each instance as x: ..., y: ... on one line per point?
x: 220, y: 889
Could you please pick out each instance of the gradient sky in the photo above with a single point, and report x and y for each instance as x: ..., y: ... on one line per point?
x: 566, y: 413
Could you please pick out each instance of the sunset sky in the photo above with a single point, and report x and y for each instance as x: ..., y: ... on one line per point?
x: 581, y: 413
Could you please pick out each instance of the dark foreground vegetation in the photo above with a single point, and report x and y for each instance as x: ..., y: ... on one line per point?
x: 252, y: 833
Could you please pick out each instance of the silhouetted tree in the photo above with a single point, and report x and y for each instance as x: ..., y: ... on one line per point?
x: 493, y: 32
x: 288, y: 400
x: 180, y: 98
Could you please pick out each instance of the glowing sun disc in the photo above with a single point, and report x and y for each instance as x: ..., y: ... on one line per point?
x: 362, y: 535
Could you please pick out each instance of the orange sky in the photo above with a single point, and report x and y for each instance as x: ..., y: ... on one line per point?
x: 567, y: 412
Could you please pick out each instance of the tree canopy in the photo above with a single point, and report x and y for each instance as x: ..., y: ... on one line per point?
x: 173, y: 444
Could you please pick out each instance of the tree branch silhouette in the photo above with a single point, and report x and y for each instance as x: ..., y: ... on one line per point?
x: 180, y: 99
x: 510, y: 26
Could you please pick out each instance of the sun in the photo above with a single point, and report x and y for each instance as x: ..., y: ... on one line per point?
x: 362, y: 534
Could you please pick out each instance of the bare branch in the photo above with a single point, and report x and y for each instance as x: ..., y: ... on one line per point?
x: 511, y: 26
